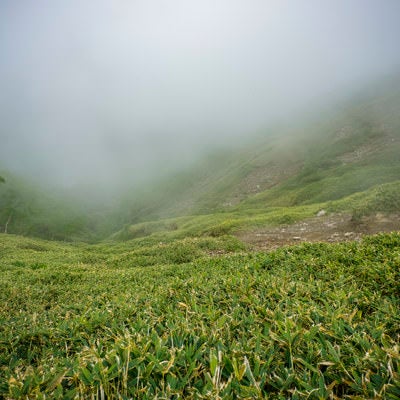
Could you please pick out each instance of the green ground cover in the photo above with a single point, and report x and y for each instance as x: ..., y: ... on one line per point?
x: 380, y: 198
x: 144, y: 319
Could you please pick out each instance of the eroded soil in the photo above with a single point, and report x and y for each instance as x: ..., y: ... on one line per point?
x: 325, y: 228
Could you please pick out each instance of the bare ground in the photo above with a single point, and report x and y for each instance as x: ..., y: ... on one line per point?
x: 326, y: 228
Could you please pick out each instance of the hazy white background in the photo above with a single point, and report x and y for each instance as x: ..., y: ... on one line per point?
x: 105, y: 90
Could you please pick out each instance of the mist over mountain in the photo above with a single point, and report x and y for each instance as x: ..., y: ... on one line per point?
x: 112, y: 94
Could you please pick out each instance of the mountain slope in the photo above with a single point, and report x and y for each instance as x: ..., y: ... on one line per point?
x: 281, y: 176
x: 354, y: 150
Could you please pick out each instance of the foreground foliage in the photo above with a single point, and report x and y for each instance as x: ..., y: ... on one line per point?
x: 199, y: 319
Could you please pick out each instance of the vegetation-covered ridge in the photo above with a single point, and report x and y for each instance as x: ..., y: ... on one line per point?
x: 384, y: 198
x: 144, y: 319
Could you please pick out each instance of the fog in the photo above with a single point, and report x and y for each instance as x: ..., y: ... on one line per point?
x: 117, y: 92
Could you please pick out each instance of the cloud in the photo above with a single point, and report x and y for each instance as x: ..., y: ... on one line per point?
x: 109, y: 89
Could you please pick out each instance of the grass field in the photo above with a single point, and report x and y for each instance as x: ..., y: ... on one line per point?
x: 199, y: 318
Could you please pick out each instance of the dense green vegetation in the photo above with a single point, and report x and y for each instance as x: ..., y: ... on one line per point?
x: 143, y: 319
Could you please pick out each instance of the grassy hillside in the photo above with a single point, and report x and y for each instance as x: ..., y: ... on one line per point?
x: 199, y: 318
x: 380, y: 198
x: 39, y: 210
x: 28, y: 209
x: 351, y: 150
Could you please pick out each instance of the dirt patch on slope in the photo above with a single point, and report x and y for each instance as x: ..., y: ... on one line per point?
x: 324, y: 228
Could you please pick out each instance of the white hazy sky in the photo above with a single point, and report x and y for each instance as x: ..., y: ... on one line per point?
x: 107, y: 89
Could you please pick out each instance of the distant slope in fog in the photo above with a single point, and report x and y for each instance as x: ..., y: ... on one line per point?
x: 352, y: 148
